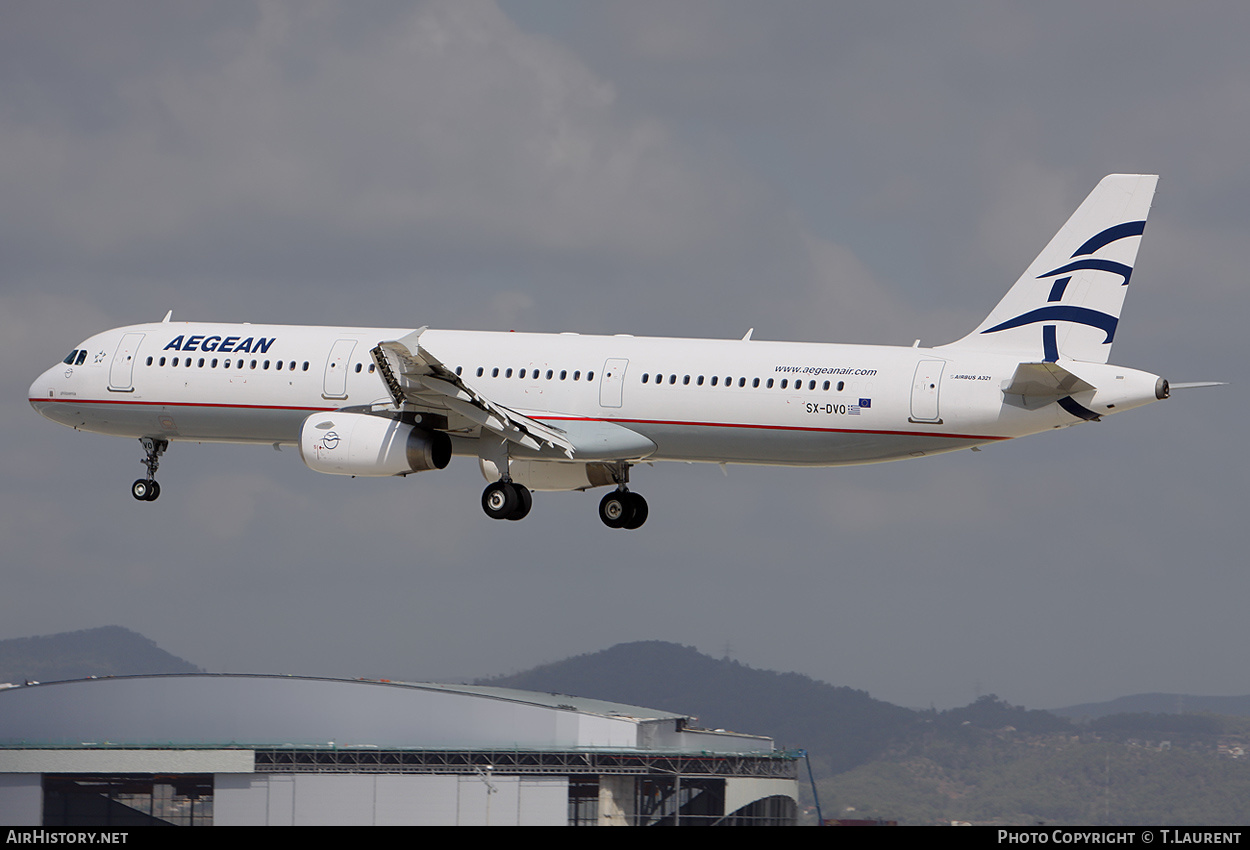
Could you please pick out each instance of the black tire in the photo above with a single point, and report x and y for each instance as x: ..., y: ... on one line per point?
x: 499, y: 500
x: 141, y: 490
x: 525, y: 501
x: 614, y: 510
x: 154, y: 491
x: 637, y: 511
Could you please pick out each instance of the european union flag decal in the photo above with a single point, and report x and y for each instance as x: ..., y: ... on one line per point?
x: 865, y: 402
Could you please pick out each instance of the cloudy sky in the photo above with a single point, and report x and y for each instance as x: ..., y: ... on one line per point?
x: 874, y: 173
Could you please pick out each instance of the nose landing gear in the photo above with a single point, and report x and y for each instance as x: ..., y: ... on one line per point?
x: 147, y: 489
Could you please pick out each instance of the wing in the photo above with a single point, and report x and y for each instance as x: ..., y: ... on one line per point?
x: 417, y: 379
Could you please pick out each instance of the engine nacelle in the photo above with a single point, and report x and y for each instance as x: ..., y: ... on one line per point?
x: 551, y: 475
x: 341, y: 443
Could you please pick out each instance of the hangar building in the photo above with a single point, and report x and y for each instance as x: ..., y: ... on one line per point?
x: 269, y: 750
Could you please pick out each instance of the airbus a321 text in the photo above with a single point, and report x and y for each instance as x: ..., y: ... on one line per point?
x: 573, y: 412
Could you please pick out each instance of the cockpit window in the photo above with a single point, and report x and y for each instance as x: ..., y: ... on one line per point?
x: 82, y: 358
x: 69, y: 358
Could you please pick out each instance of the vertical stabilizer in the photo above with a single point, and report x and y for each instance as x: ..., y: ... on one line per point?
x: 1067, y: 303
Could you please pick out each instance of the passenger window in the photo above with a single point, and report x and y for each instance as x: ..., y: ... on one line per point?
x: 175, y: 361
x: 577, y: 375
x: 841, y: 385
x: 826, y: 386
x: 549, y: 374
x: 563, y: 374
x: 253, y: 364
x: 714, y: 380
x: 480, y: 370
x: 459, y: 370
x: 201, y: 364
x: 755, y: 383
x: 590, y: 376
x: 685, y: 381
x: 214, y: 362
x: 359, y: 366
x: 522, y: 375
x: 149, y: 361
x: 742, y: 382
x: 305, y: 365
x: 644, y: 377
x: 508, y: 373
x: 783, y: 383
x: 699, y: 380
x: 769, y: 385
x: 672, y: 379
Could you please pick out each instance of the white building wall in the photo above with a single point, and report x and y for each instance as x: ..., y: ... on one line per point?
x: 415, y: 801
x: 544, y: 801
x: 390, y: 800
x: 741, y: 790
x: 240, y: 800
x: 427, y: 801
x: 21, y: 799
x: 332, y: 799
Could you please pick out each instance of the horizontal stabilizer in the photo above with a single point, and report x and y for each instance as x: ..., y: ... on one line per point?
x: 1195, y: 384
x: 1045, y: 381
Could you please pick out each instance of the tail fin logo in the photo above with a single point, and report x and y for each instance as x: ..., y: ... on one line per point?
x: 1058, y: 312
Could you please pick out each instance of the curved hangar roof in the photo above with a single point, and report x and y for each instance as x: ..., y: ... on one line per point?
x: 260, y: 710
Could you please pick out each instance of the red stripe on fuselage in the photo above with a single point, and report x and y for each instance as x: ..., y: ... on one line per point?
x: 549, y: 418
x: 85, y: 401
x: 768, y: 427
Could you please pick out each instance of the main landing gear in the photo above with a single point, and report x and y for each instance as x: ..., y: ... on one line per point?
x: 623, y: 509
x: 505, y: 500
x: 146, y: 489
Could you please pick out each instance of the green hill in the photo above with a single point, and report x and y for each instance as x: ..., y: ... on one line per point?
x: 106, y: 651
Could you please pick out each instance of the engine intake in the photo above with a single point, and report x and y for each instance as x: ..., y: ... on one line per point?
x: 341, y: 443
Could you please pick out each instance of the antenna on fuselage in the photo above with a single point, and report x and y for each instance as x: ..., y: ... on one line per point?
x: 168, y: 316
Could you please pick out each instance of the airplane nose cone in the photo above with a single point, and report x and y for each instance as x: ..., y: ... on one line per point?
x: 40, y: 392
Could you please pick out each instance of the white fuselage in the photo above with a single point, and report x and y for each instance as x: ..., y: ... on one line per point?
x: 734, y: 401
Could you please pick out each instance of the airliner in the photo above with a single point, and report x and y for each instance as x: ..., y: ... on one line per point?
x: 551, y: 412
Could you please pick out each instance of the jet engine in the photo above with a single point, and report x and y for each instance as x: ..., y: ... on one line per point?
x: 342, y: 443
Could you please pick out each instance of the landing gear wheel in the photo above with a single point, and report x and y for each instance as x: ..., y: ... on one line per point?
x: 638, y: 511
x: 614, y: 510
x: 525, y: 501
x: 146, y: 489
x: 500, y: 500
